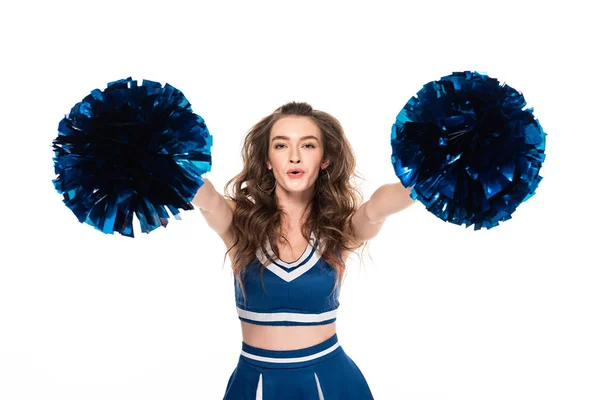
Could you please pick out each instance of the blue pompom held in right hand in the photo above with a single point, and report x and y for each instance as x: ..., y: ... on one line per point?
x: 131, y: 150
x: 469, y: 149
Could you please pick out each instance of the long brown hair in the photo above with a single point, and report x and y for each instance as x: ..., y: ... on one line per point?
x: 334, y: 202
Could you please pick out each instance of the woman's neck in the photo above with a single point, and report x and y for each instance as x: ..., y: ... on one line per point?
x: 294, y: 215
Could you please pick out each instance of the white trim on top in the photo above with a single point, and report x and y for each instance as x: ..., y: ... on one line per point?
x: 286, y: 316
x: 291, y: 275
x: 309, y: 247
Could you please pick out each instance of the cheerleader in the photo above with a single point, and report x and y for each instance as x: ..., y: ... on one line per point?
x: 289, y: 225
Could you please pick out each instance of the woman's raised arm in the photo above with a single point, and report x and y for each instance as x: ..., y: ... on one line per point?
x: 217, y: 211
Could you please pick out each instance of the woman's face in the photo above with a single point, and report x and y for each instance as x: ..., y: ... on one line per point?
x: 295, y: 143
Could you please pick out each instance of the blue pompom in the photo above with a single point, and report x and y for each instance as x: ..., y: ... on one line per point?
x: 469, y: 149
x: 130, y: 150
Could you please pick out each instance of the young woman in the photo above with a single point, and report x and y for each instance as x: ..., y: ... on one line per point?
x: 289, y: 226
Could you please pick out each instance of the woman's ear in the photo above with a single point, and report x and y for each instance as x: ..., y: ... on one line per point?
x: 325, y: 163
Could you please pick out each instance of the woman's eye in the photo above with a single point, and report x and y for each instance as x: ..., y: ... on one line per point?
x: 308, y: 144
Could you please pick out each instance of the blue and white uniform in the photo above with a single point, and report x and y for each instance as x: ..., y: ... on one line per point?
x: 295, y: 293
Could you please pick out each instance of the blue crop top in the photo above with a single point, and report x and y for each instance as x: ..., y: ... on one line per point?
x: 296, y: 293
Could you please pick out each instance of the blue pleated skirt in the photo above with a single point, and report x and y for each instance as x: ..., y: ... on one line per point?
x: 320, y: 372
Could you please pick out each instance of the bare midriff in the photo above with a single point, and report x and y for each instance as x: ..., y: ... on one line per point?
x: 285, y: 337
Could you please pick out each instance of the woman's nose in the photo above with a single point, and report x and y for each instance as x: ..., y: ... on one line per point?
x: 295, y: 156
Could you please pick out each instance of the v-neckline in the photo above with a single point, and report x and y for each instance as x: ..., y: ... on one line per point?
x: 300, y: 259
x: 291, y: 271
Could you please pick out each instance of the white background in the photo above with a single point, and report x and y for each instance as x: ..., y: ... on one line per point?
x: 436, y: 311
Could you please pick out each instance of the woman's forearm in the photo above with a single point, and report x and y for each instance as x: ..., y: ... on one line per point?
x: 387, y: 200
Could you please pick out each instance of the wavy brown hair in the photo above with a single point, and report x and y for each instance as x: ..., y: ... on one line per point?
x: 257, y: 214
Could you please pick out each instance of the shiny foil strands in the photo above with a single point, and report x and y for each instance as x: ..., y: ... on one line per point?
x: 469, y: 148
x: 129, y: 150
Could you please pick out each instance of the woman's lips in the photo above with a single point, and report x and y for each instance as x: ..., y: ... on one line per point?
x: 296, y: 176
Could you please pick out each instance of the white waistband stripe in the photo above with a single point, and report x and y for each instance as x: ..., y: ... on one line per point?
x: 286, y: 316
x: 291, y: 359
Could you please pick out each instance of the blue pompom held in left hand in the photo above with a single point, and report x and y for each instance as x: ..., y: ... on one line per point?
x: 469, y: 149
x: 130, y: 150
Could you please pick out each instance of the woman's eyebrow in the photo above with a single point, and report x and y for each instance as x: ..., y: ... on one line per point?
x: 288, y: 138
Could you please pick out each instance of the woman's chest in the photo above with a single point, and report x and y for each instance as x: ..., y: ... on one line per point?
x: 309, y: 285
x: 291, y: 250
